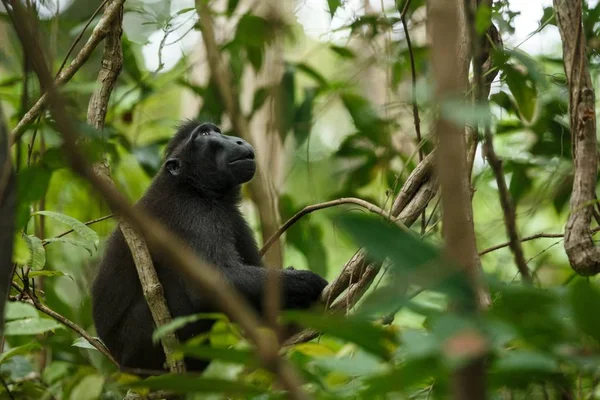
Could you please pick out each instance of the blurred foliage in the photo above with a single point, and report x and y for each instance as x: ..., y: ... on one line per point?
x: 340, y: 140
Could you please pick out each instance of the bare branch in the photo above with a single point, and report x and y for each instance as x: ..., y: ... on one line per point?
x: 99, y: 33
x: 579, y: 246
x: 179, y: 255
x: 532, y: 237
x: 320, y: 206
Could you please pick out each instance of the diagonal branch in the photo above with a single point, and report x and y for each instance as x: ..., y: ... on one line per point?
x: 99, y: 33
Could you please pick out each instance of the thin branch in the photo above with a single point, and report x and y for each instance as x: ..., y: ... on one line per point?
x: 99, y: 33
x: 532, y: 237
x: 508, y: 207
x: 320, y: 206
x: 178, y: 255
x: 92, y: 222
x: 33, y: 300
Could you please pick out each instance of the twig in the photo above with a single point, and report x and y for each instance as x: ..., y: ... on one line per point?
x: 33, y: 300
x: 532, y: 237
x: 99, y: 32
x: 178, y: 255
x: 320, y: 206
x: 92, y: 222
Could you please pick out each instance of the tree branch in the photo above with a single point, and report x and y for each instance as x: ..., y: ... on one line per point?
x: 508, y: 207
x: 99, y: 33
x: 320, y: 206
x: 532, y: 237
x: 177, y: 253
x: 33, y: 300
x: 583, y: 255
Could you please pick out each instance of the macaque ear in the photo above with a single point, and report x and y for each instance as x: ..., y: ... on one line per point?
x: 173, y: 165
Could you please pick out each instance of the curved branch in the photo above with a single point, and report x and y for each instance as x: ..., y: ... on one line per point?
x: 320, y: 206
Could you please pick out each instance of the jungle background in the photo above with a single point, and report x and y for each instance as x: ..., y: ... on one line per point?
x: 340, y: 100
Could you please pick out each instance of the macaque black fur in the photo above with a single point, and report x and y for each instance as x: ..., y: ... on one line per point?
x: 196, y: 195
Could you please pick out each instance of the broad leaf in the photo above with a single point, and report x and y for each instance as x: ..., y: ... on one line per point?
x: 37, y: 259
x: 83, y: 230
x: 31, y: 326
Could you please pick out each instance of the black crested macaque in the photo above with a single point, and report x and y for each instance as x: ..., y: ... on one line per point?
x: 195, y: 194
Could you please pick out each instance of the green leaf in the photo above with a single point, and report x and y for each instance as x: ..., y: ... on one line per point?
x: 21, y: 254
x: 260, y: 95
x: 21, y: 350
x: 190, y: 383
x: 231, y: 355
x: 253, y: 31
x: 520, y: 183
x: 370, y: 337
x: 303, y: 118
x: 83, y: 343
x: 585, y: 302
x: 89, y: 388
x: 408, y: 253
x: 180, y: 322
x: 523, y: 91
x: 360, y: 110
x: 33, y: 183
x: 83, y: 230
x: 343, y: 52
x: 483, y: 18
x: 313, y: 73
x: 19, y: 310
x: 49, y: 273
x: 231, y: 6
x: 74, y: 242
x: 333, y: 6
x: 37, y: 253
x: 31, y: 326
x: 519, y: 368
